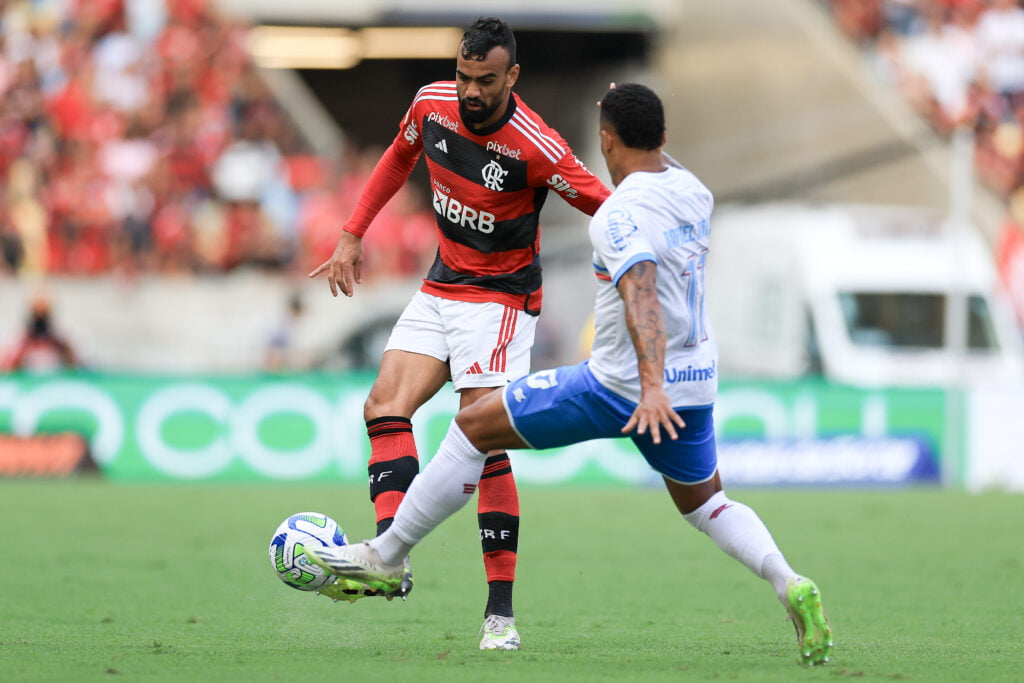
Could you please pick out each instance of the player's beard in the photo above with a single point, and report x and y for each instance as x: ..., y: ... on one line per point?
x: 476, y: 116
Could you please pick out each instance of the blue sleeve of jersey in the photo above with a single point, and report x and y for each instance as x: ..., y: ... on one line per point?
x: 632, y: 261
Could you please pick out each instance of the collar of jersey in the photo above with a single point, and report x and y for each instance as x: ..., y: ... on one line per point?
x: 497, y: 124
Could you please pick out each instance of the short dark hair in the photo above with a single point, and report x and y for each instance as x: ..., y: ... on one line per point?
x: 485, y: 34
x: 636, y: 115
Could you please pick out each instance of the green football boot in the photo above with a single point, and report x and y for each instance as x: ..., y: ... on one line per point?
x: 348, y: 590
x: 813, y: 632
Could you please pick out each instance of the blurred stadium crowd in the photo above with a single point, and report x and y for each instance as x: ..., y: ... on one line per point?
x: 136, y: 136
x: 959, y: 63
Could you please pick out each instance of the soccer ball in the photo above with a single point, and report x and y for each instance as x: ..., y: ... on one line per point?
x: 288, y: 549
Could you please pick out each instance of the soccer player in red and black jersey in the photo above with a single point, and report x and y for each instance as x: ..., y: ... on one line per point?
x: 492, y: 164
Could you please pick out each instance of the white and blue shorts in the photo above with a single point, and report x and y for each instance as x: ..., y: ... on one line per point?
x: 553, y: 408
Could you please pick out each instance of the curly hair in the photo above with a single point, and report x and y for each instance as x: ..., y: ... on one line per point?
x: 485, y: 34
x: 636, y: 115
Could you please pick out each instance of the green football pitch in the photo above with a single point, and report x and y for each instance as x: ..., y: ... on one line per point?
x: 100, y: 581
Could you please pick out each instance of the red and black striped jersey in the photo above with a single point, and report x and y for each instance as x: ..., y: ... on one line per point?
x: 488, y: 187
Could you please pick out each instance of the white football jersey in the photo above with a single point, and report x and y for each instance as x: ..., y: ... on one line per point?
x: 665, y: 218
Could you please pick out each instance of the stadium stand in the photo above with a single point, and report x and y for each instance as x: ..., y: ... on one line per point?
x: 136, y: 136
x: 959, y: 63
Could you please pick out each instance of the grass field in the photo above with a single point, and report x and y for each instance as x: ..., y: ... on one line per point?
x: 174, y: 583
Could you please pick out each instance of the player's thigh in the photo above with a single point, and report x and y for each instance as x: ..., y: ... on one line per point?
x: 471, y: 395
x: 405, y: 381
x: 489, y: 344
x: 486, y: 423
x: 414, y: 365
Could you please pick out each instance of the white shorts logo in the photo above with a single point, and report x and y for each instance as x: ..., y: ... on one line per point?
x: 494, y: 176
x: 545, y: 379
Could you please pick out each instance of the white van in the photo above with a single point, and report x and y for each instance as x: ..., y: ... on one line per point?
x: 864, y: 295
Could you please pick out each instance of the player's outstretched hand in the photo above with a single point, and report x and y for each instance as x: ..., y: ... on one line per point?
x: 655, y: 412
x: 345, y: 267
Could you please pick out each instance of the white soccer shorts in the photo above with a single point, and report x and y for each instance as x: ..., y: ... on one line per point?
x: 486, y: 344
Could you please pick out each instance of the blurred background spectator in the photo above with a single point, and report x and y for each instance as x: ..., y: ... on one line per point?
x: 940, y: 62
x: 137, y: 136
x: 40, y: 349
x: 283, y: 353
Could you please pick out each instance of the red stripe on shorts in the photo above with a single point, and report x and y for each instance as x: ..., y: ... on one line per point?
x: 499, y: 355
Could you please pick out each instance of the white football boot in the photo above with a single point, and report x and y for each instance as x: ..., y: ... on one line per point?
x: 499, y: 633
x: 359, y: 562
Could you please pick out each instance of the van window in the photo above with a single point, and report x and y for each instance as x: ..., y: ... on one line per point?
x: 906, y: 320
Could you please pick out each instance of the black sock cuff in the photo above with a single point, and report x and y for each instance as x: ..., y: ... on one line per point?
x: 388, y: 418
x: 379, y: 426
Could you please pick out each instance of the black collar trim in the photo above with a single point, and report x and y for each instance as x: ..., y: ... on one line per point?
x: 494, y: 127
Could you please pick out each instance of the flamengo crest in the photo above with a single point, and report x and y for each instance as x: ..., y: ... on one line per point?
x: 494, y: 176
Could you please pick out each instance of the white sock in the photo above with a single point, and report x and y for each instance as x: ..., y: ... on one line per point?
x: 736, y: 529
x: 439, y: 491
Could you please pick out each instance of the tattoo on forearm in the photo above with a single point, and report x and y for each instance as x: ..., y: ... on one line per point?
x: 643, y: 316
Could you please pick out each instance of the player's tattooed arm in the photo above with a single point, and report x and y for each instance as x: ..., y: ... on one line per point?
x: 639, y: 291
x: 638, y: 288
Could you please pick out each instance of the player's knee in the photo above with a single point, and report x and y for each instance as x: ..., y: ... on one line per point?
x: 711, y: 508
x: 487, y: 426
x: 379, y: 405
x: 481, y: 425
x: 689, y: 497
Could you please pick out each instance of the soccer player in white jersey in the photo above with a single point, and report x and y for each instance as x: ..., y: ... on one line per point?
x: 652, y: 376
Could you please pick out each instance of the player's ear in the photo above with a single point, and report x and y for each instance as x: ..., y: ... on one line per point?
x: 512, y: 76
